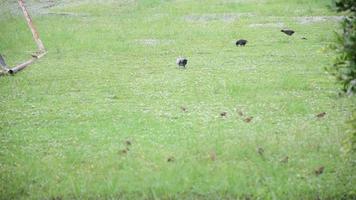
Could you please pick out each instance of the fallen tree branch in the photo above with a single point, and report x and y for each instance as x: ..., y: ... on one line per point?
x: 25, y: 64
x: 41, y: 49
x: 35, y: 34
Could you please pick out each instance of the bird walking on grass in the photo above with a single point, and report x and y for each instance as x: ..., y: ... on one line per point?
x: 241, y: 42
x: 321, y: 115
x: 319, y: 171
x: 288, y: 32
x: 182, y: 62
x: 260, y: 151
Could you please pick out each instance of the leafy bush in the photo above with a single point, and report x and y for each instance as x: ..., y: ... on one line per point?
x: 344, y: 68
x: 345, y: 5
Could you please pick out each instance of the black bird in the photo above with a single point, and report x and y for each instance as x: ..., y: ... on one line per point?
x: 182, y: 62
x: 170, y: 159
x: 223, y: 114
x: 241, y: 42
x: 288, y: 32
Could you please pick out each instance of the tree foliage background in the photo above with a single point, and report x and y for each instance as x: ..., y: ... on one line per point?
x: 344, y: 68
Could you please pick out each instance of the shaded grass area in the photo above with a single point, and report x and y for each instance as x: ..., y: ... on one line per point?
x: 65, y: 119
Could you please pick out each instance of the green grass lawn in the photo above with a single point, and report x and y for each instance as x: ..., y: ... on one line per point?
x: 110, y: 77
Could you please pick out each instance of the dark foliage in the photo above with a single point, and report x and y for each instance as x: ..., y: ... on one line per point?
x: 345, y: 5
x: 344, y: 68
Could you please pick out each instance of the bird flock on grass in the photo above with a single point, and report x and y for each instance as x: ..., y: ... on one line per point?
x: 182, y: 62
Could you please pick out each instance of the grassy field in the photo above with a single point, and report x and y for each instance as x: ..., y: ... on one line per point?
x: 106, y: 114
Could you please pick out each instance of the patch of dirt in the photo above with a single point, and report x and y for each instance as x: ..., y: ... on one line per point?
x: 34, y: 7
x: 45, y: 7
x: 68, y: 14
x: 267, y: 25
x: 152, y: 42
x: 317, y: 19
x: 226, y: 17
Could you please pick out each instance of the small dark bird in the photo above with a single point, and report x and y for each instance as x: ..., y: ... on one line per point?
x: 124, y: 151
x: 34, y: 56
x: 128, y: 142
x: 321, y: 115
x: 285, y: 159
x: 170, y: 159
x: 288, y: 32
x: 241, y: 42
x: 184, y: 109
x: 223, y: 114
x: 260, y: 151
x: 319, y: 171
x: 182, y: 62
x: 248, y: 119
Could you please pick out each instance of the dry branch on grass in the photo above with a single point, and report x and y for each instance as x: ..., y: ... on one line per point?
x: 41, y: 51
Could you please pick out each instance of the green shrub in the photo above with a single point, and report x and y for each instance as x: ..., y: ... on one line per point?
x: 345, y: 5
x: 344, y: 68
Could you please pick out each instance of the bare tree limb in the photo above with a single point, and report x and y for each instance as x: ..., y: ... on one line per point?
x: 20, y: 67
x: 41, y: 49
x: 35, y: 34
